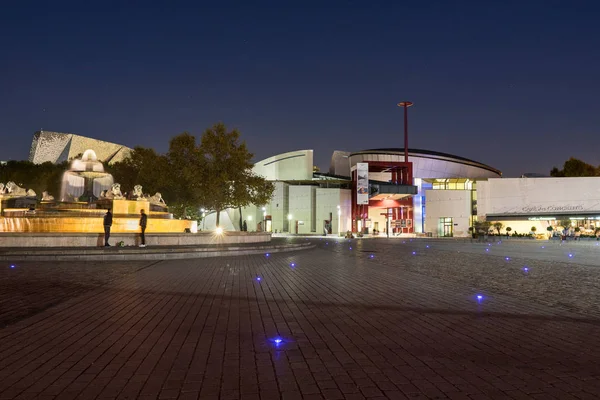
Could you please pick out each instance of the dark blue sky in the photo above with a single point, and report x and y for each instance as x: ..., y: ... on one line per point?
x: 513, y: 84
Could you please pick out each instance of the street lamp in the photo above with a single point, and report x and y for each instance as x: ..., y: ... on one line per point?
x: 339, y: 217
x: 405, y: 104
x: 264, y: 219
x: 289, y: 223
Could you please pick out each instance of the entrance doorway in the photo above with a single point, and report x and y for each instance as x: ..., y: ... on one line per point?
x: 446, y: 227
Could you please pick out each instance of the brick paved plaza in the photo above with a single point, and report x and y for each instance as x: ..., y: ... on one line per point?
x: 369, y: 319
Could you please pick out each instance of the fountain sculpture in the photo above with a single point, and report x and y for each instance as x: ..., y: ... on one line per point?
x: 86, y: 179
x: 87, y: 192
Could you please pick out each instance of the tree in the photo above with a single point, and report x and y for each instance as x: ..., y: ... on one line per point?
x: 176, y: 175
x: 482, y: 226
x: 498, y: 226
x: 574, y: 167
x: 565, y: 223
x: 228, y: 180
x: 508, y: 229
x: 186, y: 162
x: 215, y: 174
x: 143, y: 167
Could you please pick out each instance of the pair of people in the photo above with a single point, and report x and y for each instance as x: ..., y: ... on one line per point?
x: 108, y: 224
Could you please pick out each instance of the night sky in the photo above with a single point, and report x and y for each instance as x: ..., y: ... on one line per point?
x: 513, y: 84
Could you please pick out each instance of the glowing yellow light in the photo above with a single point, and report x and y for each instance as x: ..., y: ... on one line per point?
x: 219, y: 230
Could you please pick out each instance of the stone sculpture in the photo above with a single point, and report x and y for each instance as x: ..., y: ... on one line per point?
x: 157, y: 199
x: 47, y: 196
x: 15, y: 190
x: 31, y: 193
x: 138, y: 193
x: 2, y: 189
x: 115, y: 192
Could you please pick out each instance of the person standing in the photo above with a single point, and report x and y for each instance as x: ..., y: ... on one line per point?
x: 107, y: 225
x: 143, y: 223
x: 244, y: 226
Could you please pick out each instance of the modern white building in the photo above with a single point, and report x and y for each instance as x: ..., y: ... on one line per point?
x: 307, y: 202
x: 304, y: 202
x: 522, y: 203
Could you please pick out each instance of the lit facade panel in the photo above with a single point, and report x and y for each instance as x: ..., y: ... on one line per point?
x: 56, y: 147
x: 295, y: 165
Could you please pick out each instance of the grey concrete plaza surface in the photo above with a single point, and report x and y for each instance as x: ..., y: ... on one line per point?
x: 352, y: 319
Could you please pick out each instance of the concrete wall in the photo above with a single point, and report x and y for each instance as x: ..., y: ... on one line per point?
x: 327, y: 202
x: 448, y: 203
x: 302, y: 200
x: 279, y: 207
x: 538, y: 196
x: 157, y: 239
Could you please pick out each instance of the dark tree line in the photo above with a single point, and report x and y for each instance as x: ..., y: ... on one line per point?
x: 38, y: 177
x: 574, y: 167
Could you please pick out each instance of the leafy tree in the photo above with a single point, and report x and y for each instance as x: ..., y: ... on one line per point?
x: 228, y: 180
x: 508, y: 229
x: 143, y: 167
x: 565, y: 223
x: 498, y: 226
x: 482, y: 226
x: 186, y: 174
x: 533, y: 229
x: 574, y: 167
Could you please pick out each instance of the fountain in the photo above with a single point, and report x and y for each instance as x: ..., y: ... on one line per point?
x: 86, y: 179
x: 87, y: 191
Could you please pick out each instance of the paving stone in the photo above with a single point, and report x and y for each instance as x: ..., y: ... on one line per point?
x: 395, y: 326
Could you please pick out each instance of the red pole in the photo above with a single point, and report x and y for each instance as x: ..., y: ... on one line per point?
x: 405, y: 132
x: 405, y: 104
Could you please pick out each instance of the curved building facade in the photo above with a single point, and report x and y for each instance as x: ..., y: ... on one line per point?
x: 294, y: 165
x: 426, y: 164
